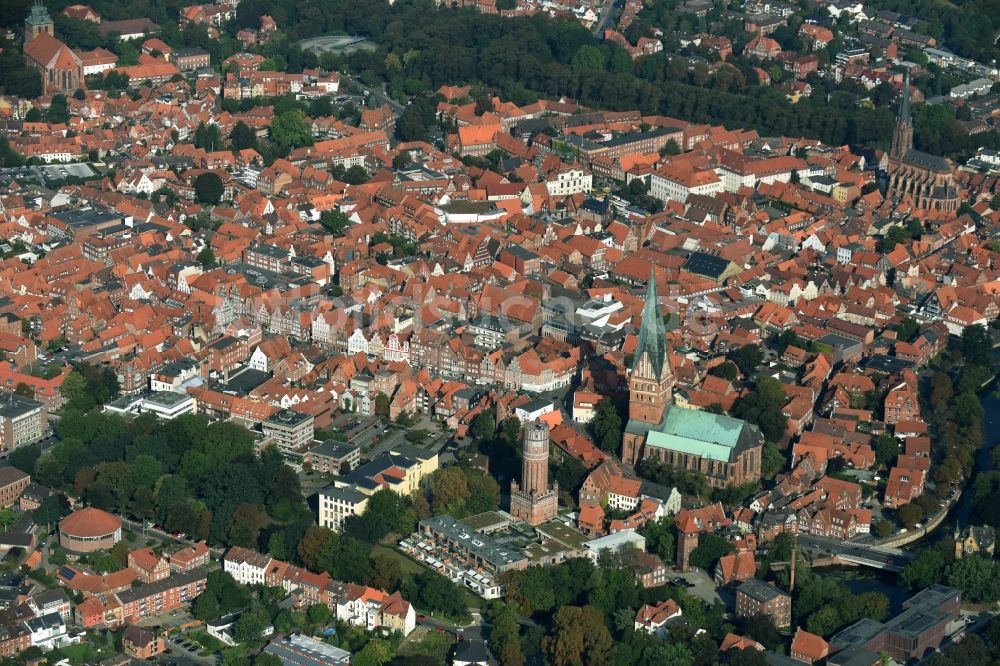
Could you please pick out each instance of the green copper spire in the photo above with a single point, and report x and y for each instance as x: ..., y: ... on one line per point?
x: 904, y: 104
x: 39, y: 15
x: 652, y: 332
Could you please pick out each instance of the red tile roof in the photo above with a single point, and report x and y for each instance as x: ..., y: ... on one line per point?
x: 89, y: 522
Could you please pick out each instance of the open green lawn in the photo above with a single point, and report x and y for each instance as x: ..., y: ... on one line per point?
x: 405, y: 563
x: 426, y: 643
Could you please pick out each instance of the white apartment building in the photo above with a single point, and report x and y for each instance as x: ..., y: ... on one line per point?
x: 337, y: 504
x: 247, y: 567
x: 673, y: 184
x: 570, y: 181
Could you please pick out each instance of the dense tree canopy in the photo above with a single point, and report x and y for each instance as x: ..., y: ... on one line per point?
x: 762, y: 406
x: 208, y: 188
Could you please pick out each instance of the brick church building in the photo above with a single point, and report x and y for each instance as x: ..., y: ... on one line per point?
x: 60, y: 67
x: 724, y: 449
x: 928, y: 180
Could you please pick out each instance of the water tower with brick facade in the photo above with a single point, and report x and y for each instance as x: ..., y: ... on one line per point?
x: 533, y: 500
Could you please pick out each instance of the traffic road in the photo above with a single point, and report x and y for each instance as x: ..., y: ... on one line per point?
x: 607, y: 12
x: 140, y: 527
x: 887, y: 558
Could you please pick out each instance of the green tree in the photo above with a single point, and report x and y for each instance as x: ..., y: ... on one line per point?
x: 886, y: 449
x: 208, y: 188
x: 386, y: 512
x: 242, y: 137
x: 335, y: 222
x: 206, y: 257
x: 661, y: 535
x: 386, y: 572
x: 925, y: 569
x: 772, y: 460
x: 607, y: 425
x: 376, y: 652
x: 670, y: 148
x: 52, y: 509
x: 710, y: 548
x: 484, y: 492
x: 245, y: 524
x: 450, y: 490
x: 319, y: 615
x: 483, y: 426
x: 949, y: 471
x: 907, y: 329
x: 761, y: 628
x: 589, y: 57
x: 25, y: 457
x: 505, y: 634
x: 291, y: 129
x: 250, y: 625
x: 208, y: 137
x: 747, y: 358
x: 977, y: 346
x: 727, y: 370
x: 434, y: 593
x: 222, y: 595
x: 58, y: 112
x: 74, y: 387
x: 882, y: 529
x: 579, y: 636
x: 909, y: 515
x: 825, y: 621
x: 977, y: 577
x: 762, y: 406
x: 382, y: 405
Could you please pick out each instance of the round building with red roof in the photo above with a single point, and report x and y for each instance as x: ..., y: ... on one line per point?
x: 88, y: 530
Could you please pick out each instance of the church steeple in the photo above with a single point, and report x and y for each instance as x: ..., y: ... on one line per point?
x: 651, y: 380
x: 38, y: 21
x: 902, y: 134
x: 652, y: 331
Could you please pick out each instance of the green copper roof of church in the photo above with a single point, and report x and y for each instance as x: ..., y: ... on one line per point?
x: 652, y: 331
x: 39, y: 15
x: 712, y: 436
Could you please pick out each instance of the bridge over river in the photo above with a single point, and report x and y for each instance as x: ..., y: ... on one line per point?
x: 850, y: 552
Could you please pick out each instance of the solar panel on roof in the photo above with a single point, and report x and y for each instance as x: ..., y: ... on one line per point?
x: 67, y: 573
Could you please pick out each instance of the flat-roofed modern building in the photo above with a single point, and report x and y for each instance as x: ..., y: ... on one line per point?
x: 337, y: 504
x: 917, y: 630
x: 306, y: 651
x: 290, y: 429
x: 22, y: 421
x: 167, y: 404
x: 330, y: 457
x: 475, y: 549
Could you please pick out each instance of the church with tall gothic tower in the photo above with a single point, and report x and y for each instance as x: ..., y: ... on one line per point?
x: 651, y: 379
x: 928, y: 180
x: 60, y: 67
x: 724, y: 449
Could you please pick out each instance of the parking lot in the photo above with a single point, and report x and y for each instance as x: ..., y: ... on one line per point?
x: 699, y: 584
x: 184, y: 651
x: 49, y: 172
